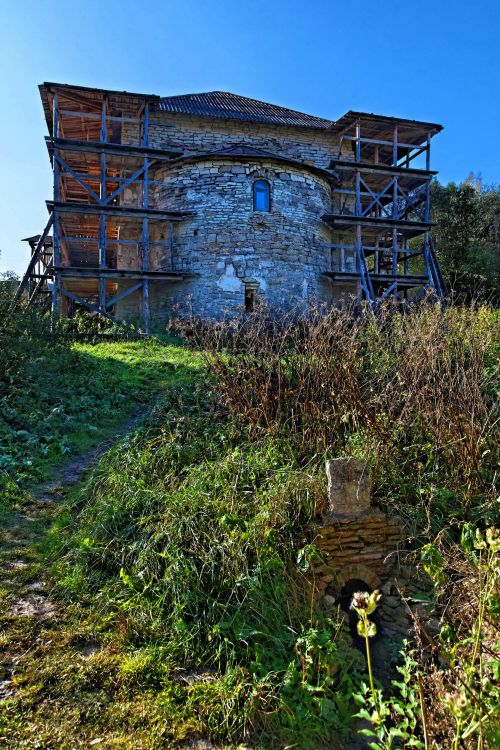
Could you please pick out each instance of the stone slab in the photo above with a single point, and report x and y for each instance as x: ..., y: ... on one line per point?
x: 349, y: 486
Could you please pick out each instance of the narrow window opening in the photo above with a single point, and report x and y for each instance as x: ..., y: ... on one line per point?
x: 261, y: 196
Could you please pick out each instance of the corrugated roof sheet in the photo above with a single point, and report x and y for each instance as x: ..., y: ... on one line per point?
x: 226, y: 106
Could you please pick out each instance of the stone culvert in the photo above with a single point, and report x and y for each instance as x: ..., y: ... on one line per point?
x: 363, y: 548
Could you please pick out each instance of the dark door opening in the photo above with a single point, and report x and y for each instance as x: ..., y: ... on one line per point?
x: 249, y: 298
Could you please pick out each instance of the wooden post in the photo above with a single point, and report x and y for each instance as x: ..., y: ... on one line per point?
x: 102, y: 293
x: 146, y: 315
x: 171, y: 245
x: 55, y: 312
x: 358, y: 193
x: 102, y: 241
x: 427, y: 201
x: 103, y: 186
x: 358, y: 141
x: 145, y: 185
x: 102, y: 200
x: 145, y: 125
x: 358, y: 247
x: 102, y: 262
x: 428, y: 153
x: 359, y: 291
x: 55, y: 164
x: 395, y: 212
x: 56, y: 252
x: 56, y: 298
x: 426, y: 258
x: 104, y: 124
x: 101, y: 281
x: 55, y: 117
x: 357, y: 265
x: 394, y: 251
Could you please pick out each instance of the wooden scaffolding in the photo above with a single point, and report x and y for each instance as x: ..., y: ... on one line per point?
x: 381, y: 209
x: 104, y: 239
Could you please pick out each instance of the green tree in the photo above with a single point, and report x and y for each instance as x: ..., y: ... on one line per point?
x: 467, y: 236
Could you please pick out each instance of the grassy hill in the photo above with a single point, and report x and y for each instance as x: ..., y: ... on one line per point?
x: 179, y: 568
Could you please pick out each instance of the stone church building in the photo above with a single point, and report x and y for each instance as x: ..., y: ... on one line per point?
x: 206, y: 203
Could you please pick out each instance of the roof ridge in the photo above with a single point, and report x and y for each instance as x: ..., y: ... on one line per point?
x: 247, y: 98
x: 228, y: 105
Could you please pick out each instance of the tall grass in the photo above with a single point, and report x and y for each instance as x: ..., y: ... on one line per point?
x: 192, y: 539
x: 189, y: 536
x: 413, y: 393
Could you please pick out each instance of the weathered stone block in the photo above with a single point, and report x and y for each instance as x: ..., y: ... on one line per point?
x: 329, y: 601
x: 349, y: 486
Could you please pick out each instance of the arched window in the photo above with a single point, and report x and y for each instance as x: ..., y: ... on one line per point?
x: 261, y: 196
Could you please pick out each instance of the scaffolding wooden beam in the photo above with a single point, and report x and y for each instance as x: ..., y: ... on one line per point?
x: 101, y: 212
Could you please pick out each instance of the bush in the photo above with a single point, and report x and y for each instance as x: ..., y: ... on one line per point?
x: 467, y: 237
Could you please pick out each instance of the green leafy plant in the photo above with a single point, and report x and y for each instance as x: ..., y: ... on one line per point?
x: 475, y: 704
x: 394, y: 720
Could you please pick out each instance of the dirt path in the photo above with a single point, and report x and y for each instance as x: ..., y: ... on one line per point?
x: 25, y: 590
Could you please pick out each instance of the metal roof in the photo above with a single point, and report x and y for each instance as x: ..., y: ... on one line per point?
x: 227, y: 106
x: 352, y: 116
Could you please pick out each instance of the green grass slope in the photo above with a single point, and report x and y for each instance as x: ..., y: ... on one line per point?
x: 180, y: 568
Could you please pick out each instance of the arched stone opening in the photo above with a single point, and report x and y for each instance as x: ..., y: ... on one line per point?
x: 360, y: 572
x: 359, y: 548
x: 349, y: 580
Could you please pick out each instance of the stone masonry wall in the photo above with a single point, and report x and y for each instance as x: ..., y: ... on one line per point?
x: 226, y: 245
x: 192, y: 135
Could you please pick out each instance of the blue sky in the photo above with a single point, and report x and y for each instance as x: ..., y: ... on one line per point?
x: 436, y: 61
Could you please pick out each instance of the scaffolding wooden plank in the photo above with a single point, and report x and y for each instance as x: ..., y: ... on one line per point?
x: 89, y: 209
x: 119, y: 149
x: 112, y: 273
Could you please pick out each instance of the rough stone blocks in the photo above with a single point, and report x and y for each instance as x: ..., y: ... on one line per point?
x: 349, y: 486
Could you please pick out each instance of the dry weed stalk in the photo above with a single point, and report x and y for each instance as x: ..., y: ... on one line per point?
x: 402, y: 389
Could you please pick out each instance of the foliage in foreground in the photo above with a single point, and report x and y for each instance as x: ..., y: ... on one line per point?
x: 190, y: 543
x: 415, y: 394
x: 193, y: 535
x: 467, y: 682
x: 57, y: 396
x: 190, y: 537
